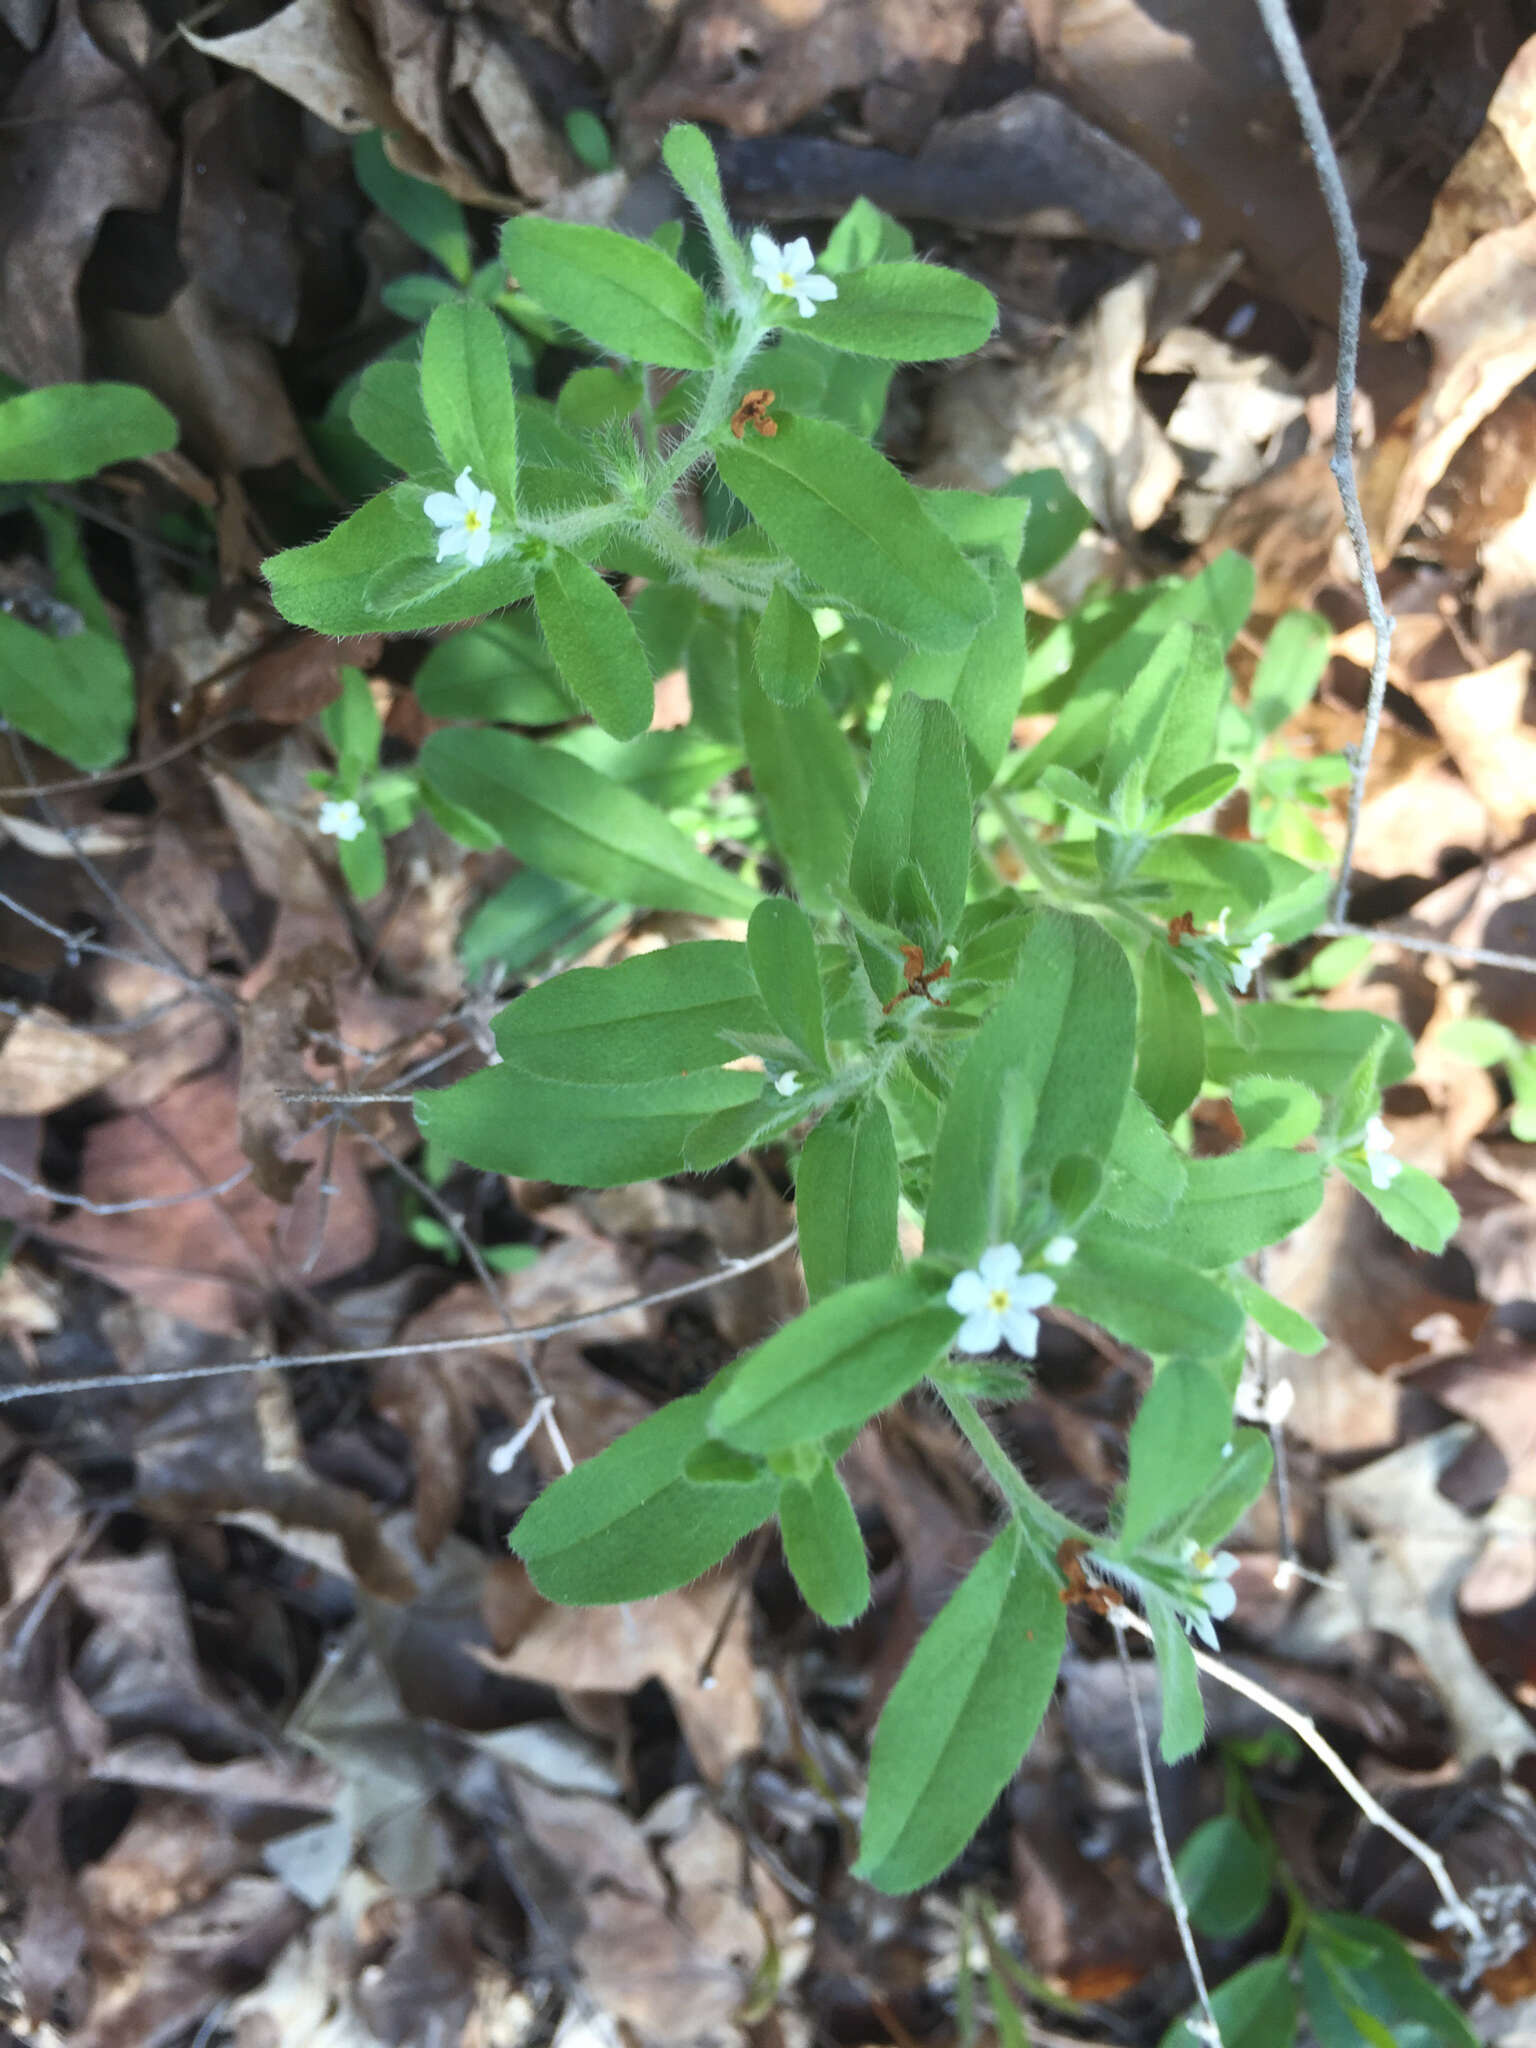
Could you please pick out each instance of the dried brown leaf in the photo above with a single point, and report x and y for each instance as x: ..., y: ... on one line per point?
x: 45, y: 1062
x: 1481, y: 718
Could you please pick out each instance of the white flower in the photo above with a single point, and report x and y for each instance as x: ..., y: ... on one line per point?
x: 465, y: 520
x: 1212, y: 1597
x: 1249, y: 960
x: 787, y: 1084
x: 1380, y: 1164
x: 996, y: 1303
x: 1060, y: 1251
x: 791, y: 272
x: 341, y: 818
x: 1219, y: 928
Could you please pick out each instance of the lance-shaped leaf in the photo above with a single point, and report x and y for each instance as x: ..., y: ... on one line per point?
x: 906, y: 313
x: 1170, y: 1035
x: 855, y: 526
x: 466, y: 392
x: 787, y: 649
x: 1181, y: 1428
x: 1319, y: 1047
x: 1413, y: 1204
x: 1234, y: 1205
x: 595, y: 646
x: 1166, y: 721
x: 961, y: 1715
x: 387, y: 411
x: 558, y: 814
x: 983, y: 681
x: 1147, y: 1299
x: 781, y: 946
x: 66, y: 431
x: 627, y: 1524
x: 645, y: 1019
x: 627, y: 296
x: 803, y: 769
x: 823, y: 1546
x: 847, y: 1190
x: 836, y: 1366
x: 585, y: 1134
x: 918, y: 810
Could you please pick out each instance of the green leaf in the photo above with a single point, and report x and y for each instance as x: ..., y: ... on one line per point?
x: 1225, y: 1874
x: 627, y: 1524
x: 973, y: 1189
x: 687, y: 155
x: 1478, y: 1039
x: 387, y: 411
x: 1166, y: 721
x: 425, y: 212
x: 590, y: 399
x: 588, y: 139
x: 1348, y: 1961
x: 1056, y: 518
x: 1289, y: 669
x: 849, y: 1357
x: 787, y: 649
x: 961, y: 1716
x: 918, y: 809
x: 727, y: 1133
x: 979, y: 522
x: 353, y: 727
x: 596, y: 649
x: 1318, y: 1047
x: 1275, y: 1111
x: 649, y: 1017
x: 1074, y: 1003
x: 582, y: 1134
x: 1287, y: 1325
x: 1414, y: 1205
x: 1181, y: 1428
x: 65, y: 431
x: 73, y: 695
x: 982, y: 681
x: 863, y: 236
x: 1205, y: 875
x: 1254, y: 2009
x: 558, y: 814
x: 466, y: 392
x: 847, y: 1190
x: 363, y: 863
x: 1170, y: 1035
x: 906, y: 313
x: 1183, y: 1728
x: 1147, y: 1299
x: 1239, y: 1482
x: 625, y: 295
x: 803, y: 770
x: 1237, y: 1204
x: 781, y: 945
x: 856, y: 527
x: 1198, y: 791
x: 497, y: 671
x: 359, y: 579
x: 822, y: 1545
x: 1145, y: 1173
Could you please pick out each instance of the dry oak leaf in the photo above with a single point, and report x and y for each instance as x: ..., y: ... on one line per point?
x: 1481, y: 718
x: 45, y: 1062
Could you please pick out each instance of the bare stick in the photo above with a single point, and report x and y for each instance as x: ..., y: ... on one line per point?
x: 1287, y: 47
x: 122, y: 1383
x: 1476, y: 956
x: 74, y: 944
x: 208, y: 1194
x: 1458, y: 1912
x: 1211, y: 2027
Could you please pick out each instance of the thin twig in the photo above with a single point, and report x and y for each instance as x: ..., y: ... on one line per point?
x: 74, y: 944
x: 1301, y: 1725
x: 1476, y: 956
x: 119, y: 1383
x: 1287, y: 47
x: 73, y: 784
x: 133, y: 1208
x: 1176, y: 1900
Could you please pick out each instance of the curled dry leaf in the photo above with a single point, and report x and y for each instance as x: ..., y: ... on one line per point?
x: 46, y: 1062
x: 79, y: 139
x: 1481, y: 718
x: 279, y: 1027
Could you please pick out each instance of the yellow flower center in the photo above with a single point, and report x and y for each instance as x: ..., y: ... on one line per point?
x: 786, y: 282
x: 472, y: 522
x: 1000, y: 1300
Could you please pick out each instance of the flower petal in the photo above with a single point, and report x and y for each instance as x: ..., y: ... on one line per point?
x: 485, y: 509
x: 818, y: 287
x: 1021, y: 1330
x: 982, y: 1331
x: 453, y: 540
x: 1033, y: 1290
x: 1220, y: 1599
x: 443, y: 510
x: 798, y: 260
x: 1199, y: 1625
x: 967, y: 1293
x: 765, y: 250
x: 1061, y: 1251
x: 998, y: 1264
x: 477, y: 546
x: 465, y: 489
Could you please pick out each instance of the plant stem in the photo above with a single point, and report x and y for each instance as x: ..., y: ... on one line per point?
x: 1044, y: 1527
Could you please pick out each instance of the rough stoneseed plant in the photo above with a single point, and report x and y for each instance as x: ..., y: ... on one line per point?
x: 980, y: 986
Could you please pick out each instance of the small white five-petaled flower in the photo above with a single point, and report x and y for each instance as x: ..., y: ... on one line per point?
x: 997, y: 1301
x: 791, y: 272
x: 1061, y: 1251
x: 787, y: 1084
x: 464, y: 520
x: 1215, y: 1594
x: 1249, y: 960
x: 1379, y: 1163
x: 342, y: 818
